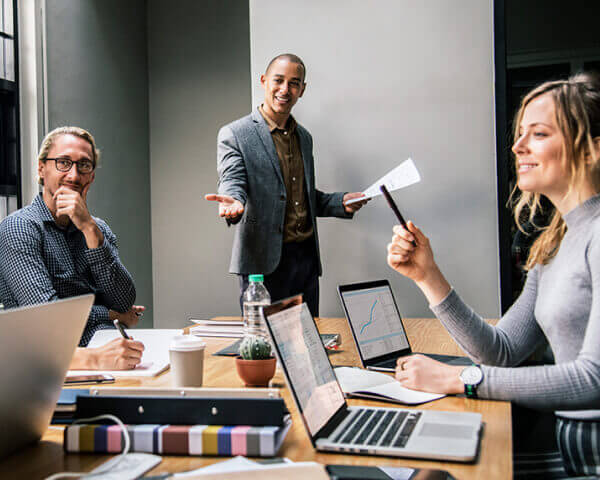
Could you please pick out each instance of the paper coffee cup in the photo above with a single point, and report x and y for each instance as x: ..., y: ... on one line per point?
x: 186, y: 353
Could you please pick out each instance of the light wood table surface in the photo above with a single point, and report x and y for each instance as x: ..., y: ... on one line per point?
x: 426, y: 335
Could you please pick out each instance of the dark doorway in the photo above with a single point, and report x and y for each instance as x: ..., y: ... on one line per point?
x: 536, y: 41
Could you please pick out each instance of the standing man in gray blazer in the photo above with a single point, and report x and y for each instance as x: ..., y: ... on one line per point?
x: 267, y: 184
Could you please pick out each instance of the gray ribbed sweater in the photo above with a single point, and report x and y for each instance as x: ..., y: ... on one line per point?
x: 560, y: 300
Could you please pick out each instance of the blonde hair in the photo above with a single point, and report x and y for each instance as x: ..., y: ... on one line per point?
x: 51, y: 137
x: 577, y: 110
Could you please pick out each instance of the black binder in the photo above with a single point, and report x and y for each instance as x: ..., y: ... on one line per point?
x: 253, y: 412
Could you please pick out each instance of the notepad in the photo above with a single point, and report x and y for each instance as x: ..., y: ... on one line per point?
x: 155, y: 358
x: 357, y: 382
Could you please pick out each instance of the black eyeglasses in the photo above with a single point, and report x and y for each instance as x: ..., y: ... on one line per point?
x: 65, y: 164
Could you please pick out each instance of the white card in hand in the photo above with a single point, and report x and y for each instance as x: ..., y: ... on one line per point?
x: 402, y: 176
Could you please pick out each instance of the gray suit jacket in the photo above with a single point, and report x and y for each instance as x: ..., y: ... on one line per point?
x: 249, y: 171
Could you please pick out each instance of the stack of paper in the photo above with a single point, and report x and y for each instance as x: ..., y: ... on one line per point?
x: 217, y: 328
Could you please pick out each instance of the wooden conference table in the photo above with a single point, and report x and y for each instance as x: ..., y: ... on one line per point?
x: 426, y: 335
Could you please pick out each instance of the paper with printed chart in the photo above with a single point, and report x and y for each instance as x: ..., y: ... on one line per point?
x: 402, y: 176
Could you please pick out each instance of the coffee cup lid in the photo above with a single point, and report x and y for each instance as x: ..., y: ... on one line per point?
x: 185, y: 343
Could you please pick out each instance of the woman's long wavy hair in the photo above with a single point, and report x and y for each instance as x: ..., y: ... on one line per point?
x: 577, y: 108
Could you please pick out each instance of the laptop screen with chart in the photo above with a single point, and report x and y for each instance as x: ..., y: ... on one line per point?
x: 376, y: 322
x: 377, y: 327
x: 374, y: 319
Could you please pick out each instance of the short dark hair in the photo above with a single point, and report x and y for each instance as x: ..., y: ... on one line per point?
x: 290, y: 57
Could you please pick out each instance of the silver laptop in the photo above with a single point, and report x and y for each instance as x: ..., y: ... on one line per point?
x: 37, y: 346
x: 333, y: 426
x: 377, y: 327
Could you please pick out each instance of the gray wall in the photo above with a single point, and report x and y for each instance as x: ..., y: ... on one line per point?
x: 388, y: 80
x: 401, y: 79
x: 199, y: 71
x: 97, y: 79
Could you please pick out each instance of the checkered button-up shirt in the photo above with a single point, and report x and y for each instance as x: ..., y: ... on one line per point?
x: 41, y: 262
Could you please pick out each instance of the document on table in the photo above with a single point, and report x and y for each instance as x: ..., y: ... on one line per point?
x: 366, y: 383
x: 402, y: 176
x: 245, y: 469
x: 155, y: 358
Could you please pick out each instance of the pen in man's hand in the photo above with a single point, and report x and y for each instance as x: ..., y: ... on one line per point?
x: 393, y: 206
x: 119, y: 327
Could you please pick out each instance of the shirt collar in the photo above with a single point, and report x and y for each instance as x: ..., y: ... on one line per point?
x: 291, y: 122
x: 42, y: 208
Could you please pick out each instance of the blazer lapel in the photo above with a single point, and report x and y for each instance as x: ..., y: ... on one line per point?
x: 263, y: 132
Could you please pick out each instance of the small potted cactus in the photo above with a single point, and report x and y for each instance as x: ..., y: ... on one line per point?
x: 256, y: 363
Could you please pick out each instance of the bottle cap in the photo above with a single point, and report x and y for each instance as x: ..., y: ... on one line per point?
x: 256, y: 277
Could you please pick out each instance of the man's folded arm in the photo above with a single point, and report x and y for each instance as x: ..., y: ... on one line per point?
x: 111, y: 277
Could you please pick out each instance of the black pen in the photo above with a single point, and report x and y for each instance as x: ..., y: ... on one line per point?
x: 394, y: 207
x: 119, y: 327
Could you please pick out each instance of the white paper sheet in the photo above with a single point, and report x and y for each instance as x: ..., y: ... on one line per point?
x: 241, y: 464
x: 155, y: 358
x: 402, y: 176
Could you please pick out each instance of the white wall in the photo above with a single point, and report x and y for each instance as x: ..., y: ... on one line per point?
x: 97, y: 79
x: 199, y: 71
x: 388, y: 80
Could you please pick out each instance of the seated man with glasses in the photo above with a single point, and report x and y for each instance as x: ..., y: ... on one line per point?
x: 55, y: 249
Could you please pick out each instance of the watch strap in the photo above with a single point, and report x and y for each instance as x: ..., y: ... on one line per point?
x: 471, y: 388
x: 471, y: 391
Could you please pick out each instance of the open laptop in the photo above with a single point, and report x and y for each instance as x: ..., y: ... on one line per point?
x: 37, y: 346
x: 377, y: 327
x: 333, y: 426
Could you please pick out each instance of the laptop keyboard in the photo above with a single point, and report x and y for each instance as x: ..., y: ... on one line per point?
x: 407, y: 430
x: 395, y: 428
x: 374, y: 440
x: 384, y: 428
x: 354, y: 427
x: 368, y: 430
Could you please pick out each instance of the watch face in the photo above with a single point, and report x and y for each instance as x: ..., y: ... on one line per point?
x: 471, y: 375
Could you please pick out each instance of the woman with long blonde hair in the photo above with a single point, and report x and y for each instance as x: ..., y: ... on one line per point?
x: 557, y: 154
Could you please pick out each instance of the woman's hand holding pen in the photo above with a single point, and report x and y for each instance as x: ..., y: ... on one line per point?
x: 411, y: 261
x: 417, y: 262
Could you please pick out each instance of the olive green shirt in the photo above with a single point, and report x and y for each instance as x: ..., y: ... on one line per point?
x: 297, y: 225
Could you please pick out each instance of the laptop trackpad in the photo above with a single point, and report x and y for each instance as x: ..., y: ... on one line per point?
x: 445, y: 430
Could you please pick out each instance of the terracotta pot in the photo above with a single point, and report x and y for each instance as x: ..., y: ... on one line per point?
x: 256, y: 373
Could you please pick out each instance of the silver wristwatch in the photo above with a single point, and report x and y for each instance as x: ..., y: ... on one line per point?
x: 471, y: 376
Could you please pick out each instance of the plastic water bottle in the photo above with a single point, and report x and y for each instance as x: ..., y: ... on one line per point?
x: 255, y: 296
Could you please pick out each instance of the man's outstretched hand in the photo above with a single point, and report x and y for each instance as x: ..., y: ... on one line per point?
x: 354, y: 207
x: 229, y: 207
